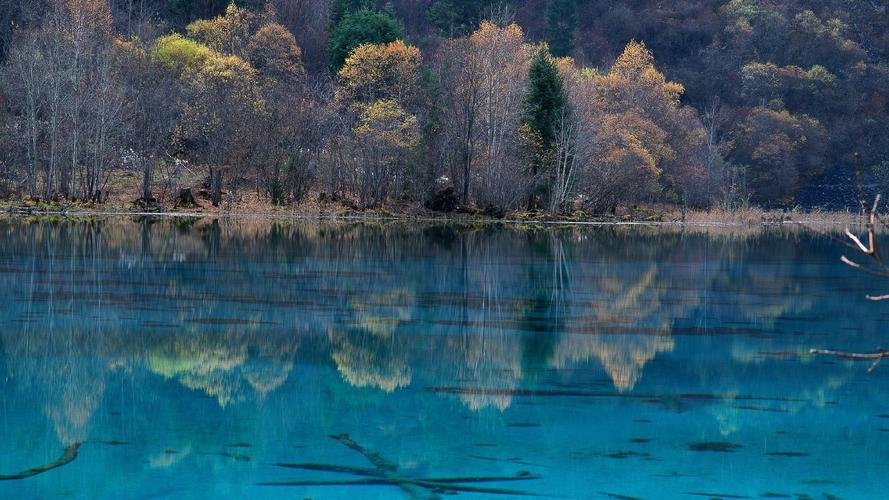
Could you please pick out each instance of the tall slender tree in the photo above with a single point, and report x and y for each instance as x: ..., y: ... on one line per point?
x: 546, y: 97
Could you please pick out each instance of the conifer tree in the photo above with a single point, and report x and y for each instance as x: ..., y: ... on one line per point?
x: 561, y: 21
x: 359, y: 27
x: 544, y: 105
x: 546, y: 97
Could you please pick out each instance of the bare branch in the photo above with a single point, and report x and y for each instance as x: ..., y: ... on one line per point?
x: 858, y: 243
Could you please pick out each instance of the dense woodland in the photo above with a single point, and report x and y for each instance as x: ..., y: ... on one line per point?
x: 547, y: 105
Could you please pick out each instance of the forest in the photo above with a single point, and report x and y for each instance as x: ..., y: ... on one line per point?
x: 550, y: 106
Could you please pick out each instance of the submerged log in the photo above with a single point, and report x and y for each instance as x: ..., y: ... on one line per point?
x: 385, y: 473
x: 876, y: 357
x: 67, y: 457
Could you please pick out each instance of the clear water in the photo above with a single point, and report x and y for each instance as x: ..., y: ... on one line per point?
x: 189, y: 357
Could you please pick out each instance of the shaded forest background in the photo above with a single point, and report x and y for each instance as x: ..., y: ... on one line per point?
x: 556, y: 105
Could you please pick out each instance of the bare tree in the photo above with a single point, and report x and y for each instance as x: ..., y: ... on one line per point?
x: 152, y: 112
x: 104, y: 119
x: 289, y: 136
x: 25, y: 79
x: 54, y: 91
x: 460, y: 78
x: 504, y: 59
x: 566, y: 156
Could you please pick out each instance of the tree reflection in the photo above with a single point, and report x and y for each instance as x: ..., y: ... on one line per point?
x: 366, y: 359
x: 637, y: 305
x: 228, y: 308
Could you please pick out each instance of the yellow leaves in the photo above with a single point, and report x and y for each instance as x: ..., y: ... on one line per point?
x: 231, y: 68
x: 273, y: 51
x: 674, y: 91
x: 381, y: 321
x: 199, y: 366
x: 180, y: 54
x: 203, y: 66
x: 387, y: 123
x: 365, y: 360
x: 635, y: 60
x: 270, y: 47
x: 380, y: 71
x: 229, y: 33
x: 208, y: 31
x: 376, y: 82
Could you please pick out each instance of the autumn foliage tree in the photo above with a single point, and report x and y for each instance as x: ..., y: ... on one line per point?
x: 294, y: 96
x: 641, y: 110
x: 378, y: 87
x: 503, y: 58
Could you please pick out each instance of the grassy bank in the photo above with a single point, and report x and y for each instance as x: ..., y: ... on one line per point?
x: 654, y: 214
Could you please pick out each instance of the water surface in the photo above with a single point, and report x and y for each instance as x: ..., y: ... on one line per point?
x: 234, y: 358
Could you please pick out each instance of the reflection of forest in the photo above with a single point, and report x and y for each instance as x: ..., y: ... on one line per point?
x: 227, y: 308
x: 225, y: 365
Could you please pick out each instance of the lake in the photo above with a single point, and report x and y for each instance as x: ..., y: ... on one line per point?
x: 197, y: 358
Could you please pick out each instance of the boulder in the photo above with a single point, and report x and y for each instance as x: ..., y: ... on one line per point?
x: 444, y: 200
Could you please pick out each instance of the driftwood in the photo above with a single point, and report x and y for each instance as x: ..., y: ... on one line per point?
x: 67, y: 457
x: 385, y: 473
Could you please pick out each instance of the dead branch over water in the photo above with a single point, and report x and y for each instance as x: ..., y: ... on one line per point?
x: 876, y: 267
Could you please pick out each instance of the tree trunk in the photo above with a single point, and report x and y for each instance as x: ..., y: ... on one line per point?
x: 216, y: 187
x: 467, y: 161
x: 146, y: 180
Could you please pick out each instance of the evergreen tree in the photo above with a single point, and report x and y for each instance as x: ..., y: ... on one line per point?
x: 544, y: 105
x: 455, y: 17
x: 546, y: 98
x: 339, y: 9
x: 561, y: 22
x: 359, y: 27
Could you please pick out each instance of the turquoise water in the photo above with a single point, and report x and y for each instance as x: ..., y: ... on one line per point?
x: 185, y: 358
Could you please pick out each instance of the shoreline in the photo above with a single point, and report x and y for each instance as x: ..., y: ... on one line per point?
x: 739, y: 219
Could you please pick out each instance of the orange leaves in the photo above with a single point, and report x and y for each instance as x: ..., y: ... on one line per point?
x: 635, y: 83
x: 786, y: 146
x: 92, y: 15
x: 491, y: 35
